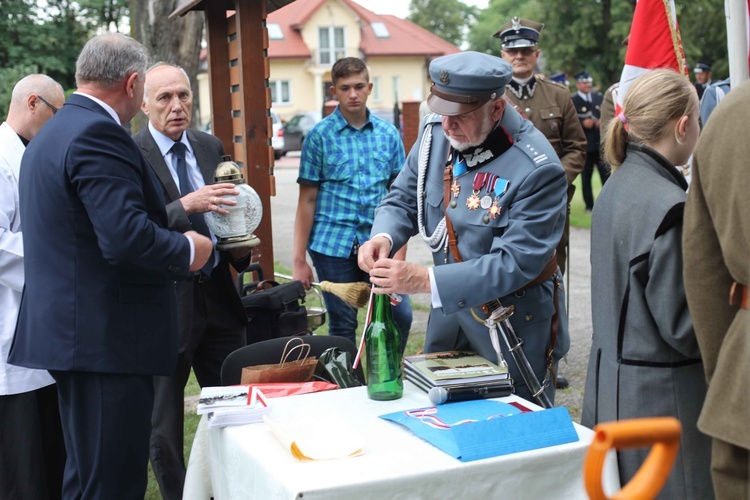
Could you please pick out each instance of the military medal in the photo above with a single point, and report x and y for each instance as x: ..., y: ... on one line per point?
x: 487, y: 199
x: 472, y: 202
x: 494, y: 210
x: 455, y: 188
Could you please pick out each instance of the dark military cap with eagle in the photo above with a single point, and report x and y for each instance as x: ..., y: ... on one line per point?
x: 518, y: 33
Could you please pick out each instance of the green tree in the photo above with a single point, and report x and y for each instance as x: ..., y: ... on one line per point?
x: 448, y: 19
x: 175, y: 41
x: 8, y: 79
x: 585, y: 34
x: 704, y: 34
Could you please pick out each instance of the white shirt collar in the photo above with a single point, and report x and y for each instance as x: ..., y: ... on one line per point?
x: 103, y: 104
x: 164, y: 143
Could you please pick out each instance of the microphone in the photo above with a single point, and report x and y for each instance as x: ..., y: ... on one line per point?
x: 440, y: 395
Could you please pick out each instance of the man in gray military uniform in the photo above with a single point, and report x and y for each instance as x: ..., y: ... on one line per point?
x: 486, y: 191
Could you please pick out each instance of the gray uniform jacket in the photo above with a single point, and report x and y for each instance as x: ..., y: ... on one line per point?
x: 500, y: 255
x: 644, y: 358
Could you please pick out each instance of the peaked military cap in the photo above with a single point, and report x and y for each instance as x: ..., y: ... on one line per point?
x: 584, y: 77
x: 518, y: 33
x: 464, y: 81
x: 559, y: 77
x: 701, y: 67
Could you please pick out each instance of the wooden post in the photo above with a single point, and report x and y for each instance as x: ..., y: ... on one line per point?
x: 410, y: 113
x: 251, y: 120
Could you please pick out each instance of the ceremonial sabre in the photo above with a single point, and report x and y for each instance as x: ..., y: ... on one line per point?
x: 498, y: 320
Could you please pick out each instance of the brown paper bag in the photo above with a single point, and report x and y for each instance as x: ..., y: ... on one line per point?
x: 288, y: 369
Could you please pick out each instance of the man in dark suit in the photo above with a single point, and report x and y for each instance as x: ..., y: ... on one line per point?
x: 588, y: 105
x: 211, y: 317
x: 99, y: 306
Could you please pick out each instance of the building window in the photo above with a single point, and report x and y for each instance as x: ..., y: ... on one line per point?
x: 331, y: 45
x: 280, y: 92
x: 380, y: 29
x: 274, y: 31
x: 396, y: 83
x: 376, y: 89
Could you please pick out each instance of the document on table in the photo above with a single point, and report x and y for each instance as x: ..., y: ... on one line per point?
x: 317, y: 439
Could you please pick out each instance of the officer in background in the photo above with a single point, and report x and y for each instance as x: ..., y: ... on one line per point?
x: 702, y: 77
x: 588, y: 104
x: 545, y: 103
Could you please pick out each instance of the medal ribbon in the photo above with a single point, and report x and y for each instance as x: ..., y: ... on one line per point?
x: 479, y: 181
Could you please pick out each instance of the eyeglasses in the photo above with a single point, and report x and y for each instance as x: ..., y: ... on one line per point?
x: 525, y: 51
x: 54, y: 109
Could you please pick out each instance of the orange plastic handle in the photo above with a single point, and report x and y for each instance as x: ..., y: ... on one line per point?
x: 662, y: 434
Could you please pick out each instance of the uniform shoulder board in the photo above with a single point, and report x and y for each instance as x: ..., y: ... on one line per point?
x: 535, y: 155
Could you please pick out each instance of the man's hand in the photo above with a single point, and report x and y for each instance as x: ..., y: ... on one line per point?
x: 301, y: 271
x: 399, y: 276
x: 209, y: 198
x: 374, y: 249
x: 203, y: 248
x: 588, y: 123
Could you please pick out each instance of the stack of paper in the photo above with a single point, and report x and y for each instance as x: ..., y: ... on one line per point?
x: 232, y: 405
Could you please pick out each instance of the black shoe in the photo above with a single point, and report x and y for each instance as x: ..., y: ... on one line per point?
x: 561, y: 382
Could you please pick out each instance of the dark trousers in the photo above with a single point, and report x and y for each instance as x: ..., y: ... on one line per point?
x: 342, y: 318
x: 212, y: 338
x: 32, y: 451
x: 106, y: 421
x: 593, y: 159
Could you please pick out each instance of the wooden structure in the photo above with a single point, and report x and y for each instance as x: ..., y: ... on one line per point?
x: 240, y: 96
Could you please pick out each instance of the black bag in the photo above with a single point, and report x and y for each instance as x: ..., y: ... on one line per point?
x: 274, y: 310
x: 335, y: 366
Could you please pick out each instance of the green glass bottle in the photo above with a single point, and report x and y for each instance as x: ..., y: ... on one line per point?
x: 383, y: 346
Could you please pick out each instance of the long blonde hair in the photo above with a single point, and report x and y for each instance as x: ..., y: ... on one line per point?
x: 653, y: 102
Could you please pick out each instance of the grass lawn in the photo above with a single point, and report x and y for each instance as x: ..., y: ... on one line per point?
x: 578, y: 215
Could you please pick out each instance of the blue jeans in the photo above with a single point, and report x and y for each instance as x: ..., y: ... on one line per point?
x: 342, y: 318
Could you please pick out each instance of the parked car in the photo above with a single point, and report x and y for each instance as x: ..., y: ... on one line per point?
x: 297, y: 128
x: 277, y: 136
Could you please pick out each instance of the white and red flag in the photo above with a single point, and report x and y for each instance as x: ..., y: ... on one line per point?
x: 654, y: 42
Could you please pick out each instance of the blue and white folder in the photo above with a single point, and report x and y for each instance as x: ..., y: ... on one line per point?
x: 472, y: 430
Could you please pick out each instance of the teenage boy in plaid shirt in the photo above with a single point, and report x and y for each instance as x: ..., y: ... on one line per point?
x: 349, y: 161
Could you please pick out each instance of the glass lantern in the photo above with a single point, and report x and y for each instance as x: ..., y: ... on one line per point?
x: 235, y: 230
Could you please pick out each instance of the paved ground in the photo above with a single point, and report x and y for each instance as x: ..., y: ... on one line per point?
x: 284, y: 206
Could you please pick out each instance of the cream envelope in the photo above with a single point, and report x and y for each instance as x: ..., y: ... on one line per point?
x: 320, y: 439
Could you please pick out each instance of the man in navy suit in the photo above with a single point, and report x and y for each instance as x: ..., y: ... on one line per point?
x: 99, y: 306
x: 212, y: 319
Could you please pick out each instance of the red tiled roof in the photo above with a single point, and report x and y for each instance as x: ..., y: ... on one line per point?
x: 406, y: 38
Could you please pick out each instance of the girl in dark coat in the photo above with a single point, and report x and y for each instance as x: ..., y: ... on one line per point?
x: 644, y: 359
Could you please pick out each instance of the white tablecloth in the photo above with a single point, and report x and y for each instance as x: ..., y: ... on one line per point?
x: 247, y: 462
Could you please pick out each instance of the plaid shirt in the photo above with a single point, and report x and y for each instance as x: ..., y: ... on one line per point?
x: 353, y: 170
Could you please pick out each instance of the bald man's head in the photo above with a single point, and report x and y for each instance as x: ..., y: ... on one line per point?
x: 35, y: 99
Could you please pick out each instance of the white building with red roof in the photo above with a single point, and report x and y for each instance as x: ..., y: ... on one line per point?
x: 307, y: 36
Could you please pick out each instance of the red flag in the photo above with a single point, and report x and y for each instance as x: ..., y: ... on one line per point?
x: 654, y: 42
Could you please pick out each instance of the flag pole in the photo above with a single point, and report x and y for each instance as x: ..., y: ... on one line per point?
x: 736, y: 13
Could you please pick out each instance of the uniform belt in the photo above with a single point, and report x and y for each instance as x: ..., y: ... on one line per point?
x: 739, y: 295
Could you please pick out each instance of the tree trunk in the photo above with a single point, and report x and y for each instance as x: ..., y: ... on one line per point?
x: 176, y: 41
